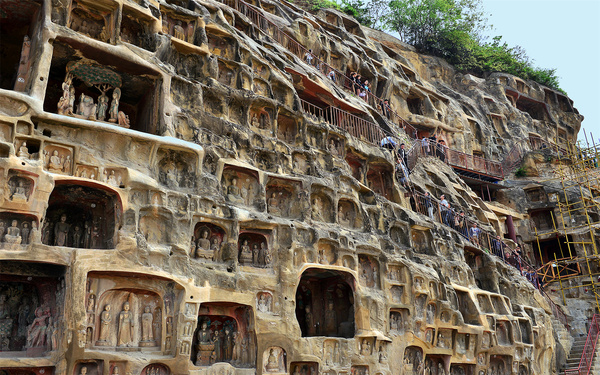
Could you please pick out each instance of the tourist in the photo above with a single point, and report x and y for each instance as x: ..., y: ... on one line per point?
x: 428, y: 204
x: 441, y: 150
x: 445, y: 207
x: 331, y: 75
x: 425, y: 145
x: 389, y: 143
x: 309, y: 57
x: 497, y: 246
x: 474, y: 232
x: 402, y: 174
x: 402, y: 154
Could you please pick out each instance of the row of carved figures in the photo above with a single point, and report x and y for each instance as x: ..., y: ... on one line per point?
x: 15, y: 233
x: 89, y: 110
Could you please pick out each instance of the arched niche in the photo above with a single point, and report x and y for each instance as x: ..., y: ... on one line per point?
x: 88, y: 367
x: 287, y: 127
x: 325, y: 303
x: 274, y: 360
x: 156, y: 369
x: 399, y: 321
x: 128, y: 318
x: 253, y: 250
x: 282, y: 198
x: 207, y: 241
x: 412, y: 360
x: 321, y: 205
x: 327, y: 252
x: 224, y: 334
x: 85, y: 215
x: 20, y: 187
x: 348, y: 214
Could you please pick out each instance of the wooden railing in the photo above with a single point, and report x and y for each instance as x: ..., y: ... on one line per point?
x: 359, y: 128
x: 589, y: 350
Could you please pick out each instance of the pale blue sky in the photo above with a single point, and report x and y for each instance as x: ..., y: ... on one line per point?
x: 561, y: 34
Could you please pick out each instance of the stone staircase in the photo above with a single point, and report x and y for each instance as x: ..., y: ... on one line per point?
x: 575, y: 356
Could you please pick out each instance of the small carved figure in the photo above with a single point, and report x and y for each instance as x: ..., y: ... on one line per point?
x: 254, y: 121
x: 178, y: 31
x: 272, y: 362
x: 126, y: 323
x: 61, y: 230
x: 233, y: 192
x: 25, y: 233
x: 147, y: 334
x: 67, y: 164
x: 123, y: 120
x: 273, y: 204
x: 54, y: 164
x: 330, y: 320
x: 264, y: 303
x: 246, y: 253
x: 36, y: 333
x: 13, y: 234
x: 102, y: 103
x: 87, y: 107
x: 113, y: 113
x: 105, y: 320
x: 23, y: 151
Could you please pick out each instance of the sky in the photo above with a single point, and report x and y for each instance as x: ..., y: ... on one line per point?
x: 561, y: 34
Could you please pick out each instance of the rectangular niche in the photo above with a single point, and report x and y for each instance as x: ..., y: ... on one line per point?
x: 221, y: 43
x: 6, y: 131
x: 261, y: 117
x: 287, y: 127
x: 137, y: 28
x: 179, y: 25
x: 96, y: 19
x: 21, y: 21
x: 91, y: 84
x: 41, y: 291
x: 27, y: 148
x: 177, y: 169
x: 58, y: 158
x: 282, y: 196
x: 128, y: 312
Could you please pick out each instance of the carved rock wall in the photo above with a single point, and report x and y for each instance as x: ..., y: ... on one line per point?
x: 167, y: 206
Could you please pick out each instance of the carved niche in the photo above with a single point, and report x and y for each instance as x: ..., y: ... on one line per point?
x: 287, y: 127
x: 130, y: 313
x: 227, y: 74
x: 19, y: 187
x: 88, y: 368
x: 58, y: 159
x: 241, y: 187
x: 155, y: 369
x: 321, y: 206
x: 283, y: 198
x: 30, y: 307
x: 305, y: 368
x: 379, y: 179
x: 261, y: 118
x: 221, y: 45
x: 368, y: 271
x: 347, y: 214
x: 264, y: 302
x: 224, y: 334
x: 399, y: 321
x: 177, y: 169
x: 135, y: 29
x: 28, y: 149
x: 94, y: 19
x: 17, y: 229
x: 274, y: 360
x: 81, y: 216
x: 178, y: 26
x: 86, y: 171
x: 207, y: 241
x: 413, y: 360
x: 327, y: 252
x: 253, y: 250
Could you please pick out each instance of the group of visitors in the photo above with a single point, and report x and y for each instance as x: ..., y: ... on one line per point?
x: 360, y: 87
x: 433, y: 147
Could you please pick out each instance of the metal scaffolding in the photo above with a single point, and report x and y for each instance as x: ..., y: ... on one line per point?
x: 575, y: 221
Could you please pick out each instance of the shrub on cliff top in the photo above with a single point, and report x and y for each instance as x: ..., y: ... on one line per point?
x: 453, y: 30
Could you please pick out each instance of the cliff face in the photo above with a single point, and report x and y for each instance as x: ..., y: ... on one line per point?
x: 188, y: 189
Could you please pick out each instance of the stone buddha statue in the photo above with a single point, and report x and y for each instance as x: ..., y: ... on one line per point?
x: 13, y: 233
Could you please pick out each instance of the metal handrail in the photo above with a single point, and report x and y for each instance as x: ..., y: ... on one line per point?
x: 589, y: 350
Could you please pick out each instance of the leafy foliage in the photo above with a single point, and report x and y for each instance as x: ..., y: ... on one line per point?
x: 520, y: 172
x: 451, y: 29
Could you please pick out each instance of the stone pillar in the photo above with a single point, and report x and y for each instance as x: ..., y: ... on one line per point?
x: 511, y: 228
